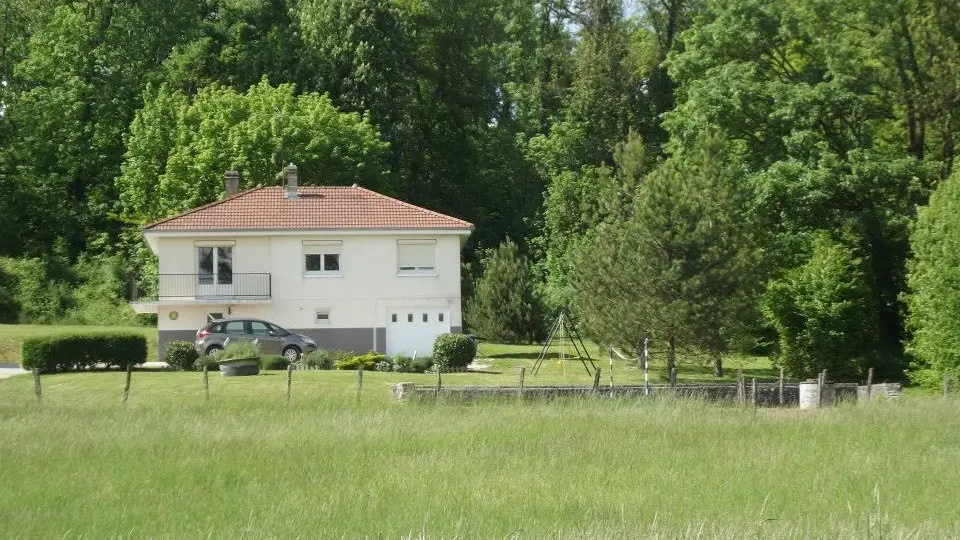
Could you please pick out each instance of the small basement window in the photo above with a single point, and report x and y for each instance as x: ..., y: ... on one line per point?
x: 440, y: 317
x: 393, y: 318
x: 409, y: 317
x: 322, y: 316
x: 426, y: 318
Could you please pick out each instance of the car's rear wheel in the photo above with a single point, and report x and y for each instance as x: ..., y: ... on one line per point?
x: 291, y: 353
x: 213, y: 348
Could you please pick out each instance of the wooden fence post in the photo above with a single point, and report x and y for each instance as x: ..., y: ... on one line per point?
x: 673, y: 377
x: 870, y: 383
x: 753, y: 391
x: 947, y: 380
x: 439, y: 380
x: 781, y: 387
x: 37, y: 389
x: 289, y: 381
x: 359, y: 380
x: 596, y: 380
x: 523, y: 373
x: 206, y: 383
x: 126, y: 386
x: 741, y: 388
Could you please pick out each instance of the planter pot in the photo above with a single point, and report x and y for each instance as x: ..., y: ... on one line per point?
x: 235, y: 367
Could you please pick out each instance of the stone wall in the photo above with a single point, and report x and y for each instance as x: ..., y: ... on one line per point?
x: 768, y: 394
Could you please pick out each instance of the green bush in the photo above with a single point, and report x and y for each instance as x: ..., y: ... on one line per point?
x: 240, y: 349
x: 408, y: 364
x: 318, y: 359
x: 274, y: 362
x: 209, y: 361
x: 181, y: 355
x: 368, y: 361
x: 78, y: 350
x: 453, y: 351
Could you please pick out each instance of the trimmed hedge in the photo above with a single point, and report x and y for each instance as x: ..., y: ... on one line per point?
x: 77, y: 351
x: 181, y: 355
x: 453, y: 351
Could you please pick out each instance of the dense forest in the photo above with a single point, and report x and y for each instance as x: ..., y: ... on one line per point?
x: 716, y: 175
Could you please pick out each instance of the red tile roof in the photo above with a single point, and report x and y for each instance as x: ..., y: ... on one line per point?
x: 326, y: 207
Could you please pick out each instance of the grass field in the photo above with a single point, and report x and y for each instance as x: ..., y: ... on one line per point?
x: 246, y: 464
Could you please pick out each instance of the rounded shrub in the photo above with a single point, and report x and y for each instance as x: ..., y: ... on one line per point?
x: 318, y: 359
x: 452, y: 351
x: 181, y: 355
x: 274, y: 362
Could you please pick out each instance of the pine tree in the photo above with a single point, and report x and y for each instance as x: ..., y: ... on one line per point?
x: 504, y: 306
x: 681, y: 269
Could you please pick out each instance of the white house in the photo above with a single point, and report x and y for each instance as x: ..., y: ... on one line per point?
x: 349, y: 267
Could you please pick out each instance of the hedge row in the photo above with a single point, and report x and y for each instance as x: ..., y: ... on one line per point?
x: 76, y: 351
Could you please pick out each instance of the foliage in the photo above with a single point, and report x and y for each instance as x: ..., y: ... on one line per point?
x: 273, y: 362
x: 177, y: 139
x: 383, y: 365
x: 821, y: 314
x: 233, y: 351
x: 82, y: 350
x: 680, y: 266
x: 367, y: 361
x: 934, y: 295
x: 318, y: 359
x: 408, y: 364
x: 504, y: 306
x: 181, y: 355
x: 453, y: 351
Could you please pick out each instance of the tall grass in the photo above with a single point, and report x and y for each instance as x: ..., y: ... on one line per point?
x: 246, y: 464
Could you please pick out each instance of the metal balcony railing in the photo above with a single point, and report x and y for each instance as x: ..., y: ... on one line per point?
x: 241, y: 286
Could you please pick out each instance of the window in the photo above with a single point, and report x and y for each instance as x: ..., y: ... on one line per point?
x: 321, y: 257
x: 393, y: 318
x: 234, y: 327
x: 215, y: 265
x: 409, y: 317
x: 278, y: 331
x: 322, y: 316
x: 214, y: 317
x: 416, y: 256
x: 425, y: 318
x: 258, y: 328
x: 440, y: 317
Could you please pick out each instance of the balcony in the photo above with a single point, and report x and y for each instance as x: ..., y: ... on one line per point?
x: 204, y: 289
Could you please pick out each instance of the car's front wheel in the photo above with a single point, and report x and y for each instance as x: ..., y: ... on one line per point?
x: 213, y: 348
x: 292, y: 354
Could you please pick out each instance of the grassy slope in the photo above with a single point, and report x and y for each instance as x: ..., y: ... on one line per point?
x: 246, y: 464
x: 12, y: 336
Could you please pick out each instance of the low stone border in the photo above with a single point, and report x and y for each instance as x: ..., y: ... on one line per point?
x: 768, y: 394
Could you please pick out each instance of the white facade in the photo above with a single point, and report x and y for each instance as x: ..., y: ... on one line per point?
x: 379, y: 298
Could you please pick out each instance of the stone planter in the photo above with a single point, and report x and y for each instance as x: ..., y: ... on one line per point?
x: 235, y: 367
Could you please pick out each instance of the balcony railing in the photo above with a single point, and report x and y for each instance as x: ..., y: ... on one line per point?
x: 201, y: 286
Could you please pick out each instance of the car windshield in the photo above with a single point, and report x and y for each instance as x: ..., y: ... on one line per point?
x: 280, y: 331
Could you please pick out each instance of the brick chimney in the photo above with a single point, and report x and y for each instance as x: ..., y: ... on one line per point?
x: 231, y: 180
x: 290, y: 172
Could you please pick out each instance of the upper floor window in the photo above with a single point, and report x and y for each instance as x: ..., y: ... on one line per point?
x: 214, y: 264
x: 321, y: 257
x: 416, y: 256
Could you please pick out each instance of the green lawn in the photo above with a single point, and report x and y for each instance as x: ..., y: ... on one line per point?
x: 246, y: 464
x: 12, y: 336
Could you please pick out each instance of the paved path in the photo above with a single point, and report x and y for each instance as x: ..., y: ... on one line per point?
x: 9, y: 370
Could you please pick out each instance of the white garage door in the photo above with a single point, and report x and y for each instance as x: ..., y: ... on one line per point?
x: 410, y: 330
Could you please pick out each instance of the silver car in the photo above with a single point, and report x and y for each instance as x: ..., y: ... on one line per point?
x: 271, y: 338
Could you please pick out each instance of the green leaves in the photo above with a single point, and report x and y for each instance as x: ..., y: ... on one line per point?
x: 179, y: 146
x: 503, y: 306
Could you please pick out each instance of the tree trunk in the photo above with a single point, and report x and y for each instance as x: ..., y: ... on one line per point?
x: 717, y: 365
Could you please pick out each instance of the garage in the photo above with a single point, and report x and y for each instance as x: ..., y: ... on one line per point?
x: 414, y: 330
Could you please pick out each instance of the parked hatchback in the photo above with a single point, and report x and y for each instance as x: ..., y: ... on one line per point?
x: 271, y: 338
